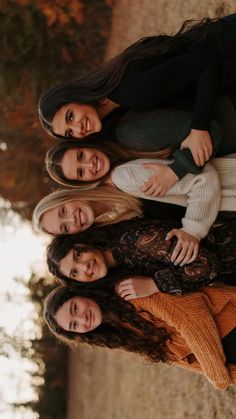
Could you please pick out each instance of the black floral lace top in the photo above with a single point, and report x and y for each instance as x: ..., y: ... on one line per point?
x: 143, y: 248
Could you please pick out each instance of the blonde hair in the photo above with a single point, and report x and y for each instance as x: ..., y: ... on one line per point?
x: 122, y: 205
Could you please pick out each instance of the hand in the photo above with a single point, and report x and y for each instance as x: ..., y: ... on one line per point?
x: 186, y: 249
x: 137, y: 287
x: 200, y: 145
x: 162, y: 180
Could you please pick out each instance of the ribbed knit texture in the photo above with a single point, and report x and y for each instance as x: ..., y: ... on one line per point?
x: 226, y: 168
x: 197, y: 322
x: 201, y: 193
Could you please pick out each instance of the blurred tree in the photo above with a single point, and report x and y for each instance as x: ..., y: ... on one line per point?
x: 42, y: 42
x: 49, y: 377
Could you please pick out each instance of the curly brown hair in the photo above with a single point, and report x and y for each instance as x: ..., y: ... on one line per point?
x: 123, y: 326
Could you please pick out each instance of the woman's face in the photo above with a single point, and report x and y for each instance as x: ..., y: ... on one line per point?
x: 85, y: 266
x: 85, y: 164
x: 76, y: 120
x: 79, y: 314
x: 69, y: 218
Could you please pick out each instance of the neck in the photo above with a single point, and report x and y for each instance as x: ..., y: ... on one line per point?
x: 110, y: 261
x: 106, y: 107
x: 109, y: 181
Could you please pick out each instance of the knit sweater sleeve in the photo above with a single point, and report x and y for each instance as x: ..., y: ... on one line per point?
x: 199, y: 193
x: 158, y: 129
x: 192, y: 319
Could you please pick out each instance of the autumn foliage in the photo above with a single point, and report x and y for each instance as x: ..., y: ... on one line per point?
x: 42, y: 42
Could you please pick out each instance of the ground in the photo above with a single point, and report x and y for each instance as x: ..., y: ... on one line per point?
x: 107, y: 384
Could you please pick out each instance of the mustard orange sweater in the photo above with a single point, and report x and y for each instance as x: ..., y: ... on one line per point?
x: 196, y: 322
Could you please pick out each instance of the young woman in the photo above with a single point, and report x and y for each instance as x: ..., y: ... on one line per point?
x: 91, y: 165
x: 151, y: 73
x: 70, y: 211
x: 201, y: 194
x: 157, y: 133
x: 195, y: 331
x: 142, y: 247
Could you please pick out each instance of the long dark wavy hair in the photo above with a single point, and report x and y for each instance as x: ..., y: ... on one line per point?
x: 105, y: 238
x: 93, y: 87
x: 117, y: 154
x: 123, y: 327
x: 102, y: 239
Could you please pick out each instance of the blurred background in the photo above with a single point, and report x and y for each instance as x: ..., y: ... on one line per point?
x: 42, y: 43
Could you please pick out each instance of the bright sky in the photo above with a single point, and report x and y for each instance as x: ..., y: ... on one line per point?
x: 21, y: 251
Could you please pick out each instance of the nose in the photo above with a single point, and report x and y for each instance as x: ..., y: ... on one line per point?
x: 83, y: 266
x: 87, y: 164
x: 82, y: 318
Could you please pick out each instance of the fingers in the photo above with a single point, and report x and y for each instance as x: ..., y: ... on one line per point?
x: 183, y: 253
x: 171, y: 234
x: 203, y: 156
x: 125, y: 289
x: 195, y: 253
x: 186, y: 249
x: 153, y: 188
x: 199, y: 157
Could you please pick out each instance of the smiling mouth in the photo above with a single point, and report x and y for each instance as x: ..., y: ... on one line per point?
x: 94, y: 267
x: 85, y: 126
x: 82, y: 218
x: 90, y: 318
x: 88, y: 125
x: 98, y: 165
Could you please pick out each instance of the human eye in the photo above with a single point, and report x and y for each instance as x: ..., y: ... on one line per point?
x: 80, y: 155
x: 73, y: 273
x: 76, y: 255
x: 69, y: 116
x: 69, y: 133
x: 62, y: 211
x: 74, y: 308
x: 65, y: 229
x: 80, y: 173
x: 73, y: 326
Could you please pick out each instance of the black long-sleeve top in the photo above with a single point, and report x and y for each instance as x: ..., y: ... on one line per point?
x: 151, y: 83
x: 140, y: 246
x: 165, y: 80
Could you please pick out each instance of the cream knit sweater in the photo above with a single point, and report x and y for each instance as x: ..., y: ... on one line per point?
x: 203, y: 195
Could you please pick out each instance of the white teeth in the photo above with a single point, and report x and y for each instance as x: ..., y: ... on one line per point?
x: 88, y: 125
x: 82, y: 217
x: 98, y: 165
x: 94, y: 266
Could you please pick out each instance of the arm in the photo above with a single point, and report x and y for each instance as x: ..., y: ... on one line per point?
x: 151, y: 83
x: 191, y: 317
x: 136, y: 287
x: 207, y: 88
x: 151, y: 254
x: 156, y: 81
x: 161, y: 128
x: 201, y: 194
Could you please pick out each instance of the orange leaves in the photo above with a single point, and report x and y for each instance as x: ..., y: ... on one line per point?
x: 61, y: 12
